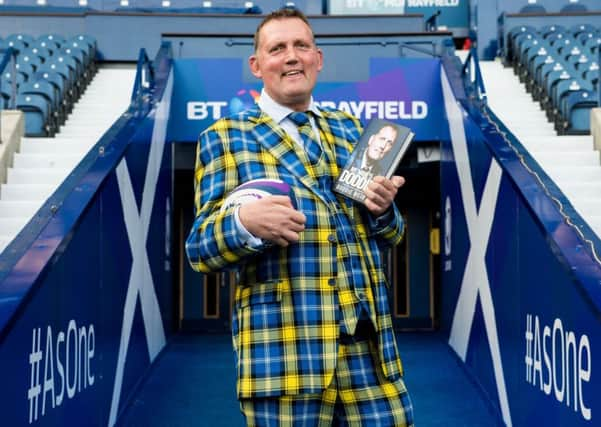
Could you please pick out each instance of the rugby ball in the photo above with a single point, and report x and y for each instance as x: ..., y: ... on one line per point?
x: 257, y: 189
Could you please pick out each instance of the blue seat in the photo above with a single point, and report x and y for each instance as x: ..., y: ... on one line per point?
x: 592, y: 43
x: 572, y: 7
x: 533, y: 8
x: 513, y: 37
x: 591, y: 73
x: 26, y: 39
x: 57, y: 82
x: 4, y: 98
x: 539, y: 90
x: 52, y: 38
x: 578, y: 111
x: 24, y: 68
x: 61, y: 69
x: 40, y: 52
x: 17, y: 45
x: 33, y: 60
x: 584, y: 36
x: 582, y: 28
x: 547, y: 30
x: 51, y: 45
x: 47, y: 91
x: 82, y: 40
x: 564, y: 88
x: 36, y: 110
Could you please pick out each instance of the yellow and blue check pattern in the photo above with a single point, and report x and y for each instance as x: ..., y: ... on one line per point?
x: 359, y: 395
x: 286, y: 321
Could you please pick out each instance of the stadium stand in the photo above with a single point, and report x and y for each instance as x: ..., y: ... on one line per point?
x: 51, y: 74
x: 558, y: 66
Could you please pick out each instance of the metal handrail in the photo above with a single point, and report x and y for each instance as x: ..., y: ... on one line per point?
x: 471, y: 70
x: 144, y: 81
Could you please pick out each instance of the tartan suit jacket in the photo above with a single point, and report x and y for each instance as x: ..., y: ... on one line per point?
x: 285, y: 324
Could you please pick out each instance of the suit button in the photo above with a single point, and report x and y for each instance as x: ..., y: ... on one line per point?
x: 361, y: 296
x: 332, y: 282
x: 332, y: 239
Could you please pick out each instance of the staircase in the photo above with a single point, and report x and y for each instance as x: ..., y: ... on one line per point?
x: 570, y: 161
x: 42, y: 164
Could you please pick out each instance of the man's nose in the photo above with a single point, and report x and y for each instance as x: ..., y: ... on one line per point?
x: 291, y: 56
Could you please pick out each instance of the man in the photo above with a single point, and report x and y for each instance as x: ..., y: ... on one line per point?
x: 378, y: 145
x: 312, y: 332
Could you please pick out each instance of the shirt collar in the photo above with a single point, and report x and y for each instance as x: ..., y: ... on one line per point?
x: 277, y: 111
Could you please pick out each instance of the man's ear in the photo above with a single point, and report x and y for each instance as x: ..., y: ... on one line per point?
x: 320, y: 63
x: 253, y: 64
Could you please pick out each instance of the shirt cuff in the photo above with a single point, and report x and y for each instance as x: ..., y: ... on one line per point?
x: 247, y: 238
x: 383, y: 220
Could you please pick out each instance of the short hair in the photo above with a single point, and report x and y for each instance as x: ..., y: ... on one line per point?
x: 284, y: 13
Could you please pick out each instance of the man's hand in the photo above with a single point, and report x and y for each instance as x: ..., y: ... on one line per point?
x: 380, y: 193
x: 273, y: 219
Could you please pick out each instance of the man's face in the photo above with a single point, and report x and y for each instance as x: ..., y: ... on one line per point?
x: 287, y: 61
x: 380, y: 143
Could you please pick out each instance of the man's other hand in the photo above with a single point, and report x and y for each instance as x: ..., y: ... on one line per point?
x: 380, y: 193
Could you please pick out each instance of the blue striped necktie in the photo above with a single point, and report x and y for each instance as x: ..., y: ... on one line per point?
x: 311, y: 145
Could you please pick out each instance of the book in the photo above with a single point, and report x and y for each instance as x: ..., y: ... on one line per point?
x: 378, y: 152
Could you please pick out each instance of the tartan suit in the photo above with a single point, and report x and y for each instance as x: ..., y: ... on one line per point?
x: 286, y: 319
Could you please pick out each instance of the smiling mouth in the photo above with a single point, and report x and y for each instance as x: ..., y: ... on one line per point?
x: 292, y: 73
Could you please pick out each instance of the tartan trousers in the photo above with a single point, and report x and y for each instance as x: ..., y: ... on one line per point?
x: 358, y: 396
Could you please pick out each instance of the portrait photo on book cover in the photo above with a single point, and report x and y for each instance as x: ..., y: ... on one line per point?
x: 373, y: 159
x: 378, y: 152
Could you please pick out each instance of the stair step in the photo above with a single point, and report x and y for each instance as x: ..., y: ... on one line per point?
x: 49, y: 160
x: 575, y: 174
x: 12, y: 226
x: 568, y: 158
x: 16, y: 208
x: 35, y: 176
x: 576, y: 190
x: 64, y: 146
x: 29, y: 192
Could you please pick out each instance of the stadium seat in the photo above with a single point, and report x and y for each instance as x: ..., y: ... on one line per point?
x: 8, y: 77
x: 26, y: 39
x: 533, y: 8
x: 582, y: 28
x: 572, y: 7
x: 24, y: 59
x: 578, y: 106
x: 546, y: 30
x: 59, y: 69
x: 17, y: 45
x: 51, y: 45
x: 36, y: 110
x: 25, y: 69
x: 46, y: 90
x: 57, y: 83
x: 40, y: 52
x: 52, y: 38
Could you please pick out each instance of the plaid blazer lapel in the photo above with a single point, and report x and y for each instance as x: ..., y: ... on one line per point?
x: 280, y: 145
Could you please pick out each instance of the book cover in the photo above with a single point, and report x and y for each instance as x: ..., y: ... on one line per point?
x: 378, y: 152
